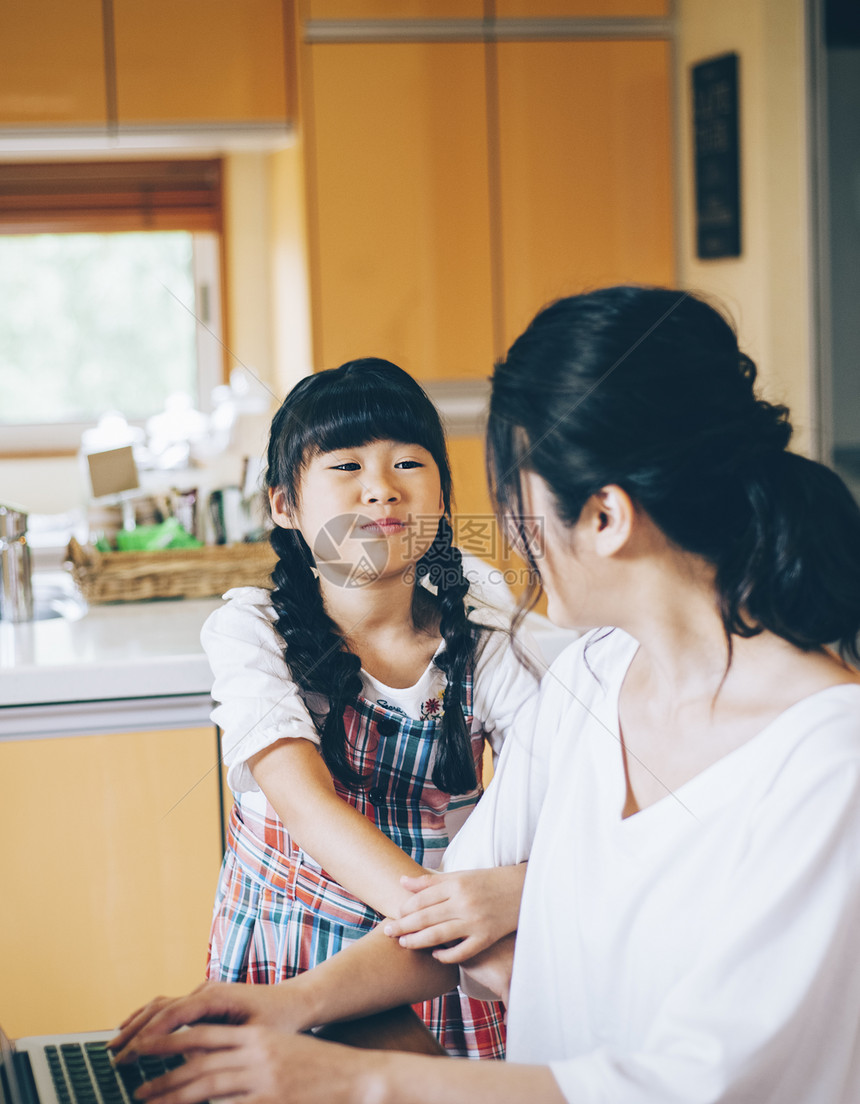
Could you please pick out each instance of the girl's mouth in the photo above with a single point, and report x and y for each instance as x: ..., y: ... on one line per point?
x: 384, y: 527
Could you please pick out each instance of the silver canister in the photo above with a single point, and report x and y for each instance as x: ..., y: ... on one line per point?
x: 16, y: 583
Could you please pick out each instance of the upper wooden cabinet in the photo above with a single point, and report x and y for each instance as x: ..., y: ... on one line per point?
x: 145, y: 63
x: 52, y: 63
x: 585, y: 154
x: 580, y: 9
x: 200, y: 60
x: 398, y: 207
x: 394, y: 9
x: 456, y: 188
x: 475, y: 9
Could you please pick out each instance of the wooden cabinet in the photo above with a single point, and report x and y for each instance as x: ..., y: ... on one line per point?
x: 475, y: 9
x: 394, y: 9
x: 110, y: 859
x: 455, y: 188
x: 212, y: 61
x: 585, y: 155
x: 151, y: 63
x: 580, y: 9
x: 52, y: 63
x: 398, y: 206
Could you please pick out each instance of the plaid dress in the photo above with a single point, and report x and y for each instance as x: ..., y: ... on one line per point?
x: 278, y: 914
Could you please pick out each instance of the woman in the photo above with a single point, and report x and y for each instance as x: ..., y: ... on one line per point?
x: 689, y: 800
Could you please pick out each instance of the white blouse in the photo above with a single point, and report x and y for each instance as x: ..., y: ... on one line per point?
x: 258, y: 703
x: 704, y: 949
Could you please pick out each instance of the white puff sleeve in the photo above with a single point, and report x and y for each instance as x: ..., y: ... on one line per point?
x: 257, y: 702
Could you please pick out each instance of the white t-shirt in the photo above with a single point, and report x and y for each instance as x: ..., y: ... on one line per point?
x: 705, y: 949
x: 258, y: 703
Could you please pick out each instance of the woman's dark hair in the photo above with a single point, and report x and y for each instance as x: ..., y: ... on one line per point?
x: 362, y: 401
x: 646, y: 388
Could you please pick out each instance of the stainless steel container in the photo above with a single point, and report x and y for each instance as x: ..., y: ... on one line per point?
x: 16, y: 583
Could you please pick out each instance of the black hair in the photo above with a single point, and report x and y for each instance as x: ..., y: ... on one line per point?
x: 647, y: 389
x: 363, y: 401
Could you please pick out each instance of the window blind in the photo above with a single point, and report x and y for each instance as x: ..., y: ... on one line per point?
x: 100, y: 196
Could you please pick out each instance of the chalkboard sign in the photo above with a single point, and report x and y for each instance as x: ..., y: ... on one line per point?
x: 716, y: 140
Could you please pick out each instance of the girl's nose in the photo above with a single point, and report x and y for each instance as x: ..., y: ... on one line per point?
x: 378, y: 489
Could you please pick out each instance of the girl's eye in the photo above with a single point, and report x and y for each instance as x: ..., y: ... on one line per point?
x: 409, y: 464
x: 347, y: 465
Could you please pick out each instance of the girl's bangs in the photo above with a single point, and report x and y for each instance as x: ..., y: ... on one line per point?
x: 351, y: 417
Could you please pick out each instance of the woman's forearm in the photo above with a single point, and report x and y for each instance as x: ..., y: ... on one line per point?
x: 390, y: 1078
x: 265, y: 1066
x: 369, y: 976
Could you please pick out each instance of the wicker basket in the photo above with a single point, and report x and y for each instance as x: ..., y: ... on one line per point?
x: 168, y: 573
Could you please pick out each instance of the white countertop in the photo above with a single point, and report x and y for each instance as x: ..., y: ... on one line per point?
x: 126, y: 650
x: 125, y: 666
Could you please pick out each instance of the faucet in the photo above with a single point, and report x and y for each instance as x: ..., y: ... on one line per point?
x: 16, y: 584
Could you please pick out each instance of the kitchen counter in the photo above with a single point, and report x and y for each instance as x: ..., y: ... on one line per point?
x: 123, y: 667
x: 130, y: 666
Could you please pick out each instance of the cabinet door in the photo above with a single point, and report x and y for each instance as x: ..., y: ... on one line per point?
x: 593, y: 9
x: 111, y: 847
x: 586, y: 169
x: 399, y: 208
x: 200, y: 61
x: 395, y: 9
x: 52, y: 64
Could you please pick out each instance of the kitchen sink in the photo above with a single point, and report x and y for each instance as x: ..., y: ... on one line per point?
x: 55, y: 599
x: 48, y: 609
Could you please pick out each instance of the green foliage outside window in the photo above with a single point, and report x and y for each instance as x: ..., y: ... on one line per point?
x: 94, y: 322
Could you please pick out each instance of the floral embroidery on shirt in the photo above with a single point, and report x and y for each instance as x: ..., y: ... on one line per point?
x: 432, y: 707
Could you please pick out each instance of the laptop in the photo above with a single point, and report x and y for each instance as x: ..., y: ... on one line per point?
x: 71, y: 1069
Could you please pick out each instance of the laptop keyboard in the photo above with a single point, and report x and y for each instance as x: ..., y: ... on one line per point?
x: 83, y: 1073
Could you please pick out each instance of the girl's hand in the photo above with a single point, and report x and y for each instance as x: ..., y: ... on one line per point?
x: 460, y: 914
x: 212, y: 1002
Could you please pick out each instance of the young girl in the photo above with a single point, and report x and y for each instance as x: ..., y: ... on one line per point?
x: 357, y: 695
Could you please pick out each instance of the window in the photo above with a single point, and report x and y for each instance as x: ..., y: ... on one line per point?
x: 109, y: 295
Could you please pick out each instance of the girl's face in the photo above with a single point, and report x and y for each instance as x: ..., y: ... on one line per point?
x: 365, y: 512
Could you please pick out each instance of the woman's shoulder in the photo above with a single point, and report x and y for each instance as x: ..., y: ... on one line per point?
x: 590, y: 669
x: 822, y: 729
x: 605, y: 652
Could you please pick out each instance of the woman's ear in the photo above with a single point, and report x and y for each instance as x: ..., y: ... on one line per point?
x: 281, y: 514
x: 612, y: 518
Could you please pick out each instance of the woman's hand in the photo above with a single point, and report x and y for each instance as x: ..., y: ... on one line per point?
x: 260, y: 1065
x: 213, y: 1003
x: 257, y: 1065
x: 460, y: 914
